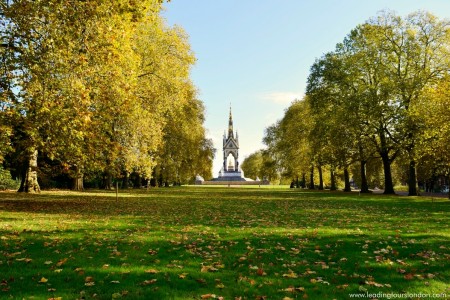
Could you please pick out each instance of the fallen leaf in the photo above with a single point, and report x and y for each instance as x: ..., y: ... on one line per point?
x: 261, y: 272
x: 205, y: 269
x: 61, y: 262
x: 342, y: 287
x: 220, y: 286
x: 151, y: 281
x: 43, y: 280
x: 290, y: 274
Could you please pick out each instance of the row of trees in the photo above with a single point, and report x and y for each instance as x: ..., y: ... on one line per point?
x: 97, y: 88
x: 381, y: 96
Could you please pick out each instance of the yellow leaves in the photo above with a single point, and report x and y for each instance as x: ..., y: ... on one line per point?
x: 61, y: 262
x: 89, y: 281
x: 43, y: 280
x: 342, y: 286
x: 212, y: 268
x: 220, y: 285
x: 285, y: 270
x: 290, y: 274
x: 211, y: 296
x: 205, y: 269
x: 152, y: 252
x: 25, y: 259
x: 13, y: 254
x: 148, y: 282
x: 201, y: 280
x: 292, y: 289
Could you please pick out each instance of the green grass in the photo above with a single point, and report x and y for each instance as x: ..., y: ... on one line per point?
x: 188, y: 242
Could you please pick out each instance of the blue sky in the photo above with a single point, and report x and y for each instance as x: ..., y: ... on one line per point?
x: 256, y: 54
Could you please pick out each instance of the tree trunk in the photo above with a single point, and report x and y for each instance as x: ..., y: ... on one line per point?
x: 388, y: 184
x: 319, y: 168
x: 23, y: 176
x: 303, y: 180
x: 137, y: 181
x: 311, y: 178
x: 125, y: 179
x: 430, y: 186
x: 347, y: 187
x: 29, y: 182
x: 412, y: 179
x: 107, y: 181
x: 364, y: 185
x: 333, y: 180
x: 78, y: 180
x: 448, y: 179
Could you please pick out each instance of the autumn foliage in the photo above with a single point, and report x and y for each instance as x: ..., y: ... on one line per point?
x: 88, y: 90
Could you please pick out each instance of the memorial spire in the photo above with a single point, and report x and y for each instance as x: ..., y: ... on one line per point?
x: 230, y: 125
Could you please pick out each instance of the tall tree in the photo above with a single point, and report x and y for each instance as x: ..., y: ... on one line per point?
x: 288, y: 140
x: 253, y: 165
x: 185, y: 152
x: 419, y: 57
x: 334, y: 96
x: 96, y: 82
x: 433, y: 146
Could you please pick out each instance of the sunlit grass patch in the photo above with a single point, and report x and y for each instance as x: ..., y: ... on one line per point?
x: 182, y: 243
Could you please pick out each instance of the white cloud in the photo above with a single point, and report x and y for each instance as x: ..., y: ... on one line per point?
x: 281, y: 97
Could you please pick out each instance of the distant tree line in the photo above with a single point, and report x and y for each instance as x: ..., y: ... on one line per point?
x: 97, y: 91
x: 378, y: 103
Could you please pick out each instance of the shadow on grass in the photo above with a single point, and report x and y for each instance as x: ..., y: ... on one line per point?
x: 184, y: 243
x: 72, y: 263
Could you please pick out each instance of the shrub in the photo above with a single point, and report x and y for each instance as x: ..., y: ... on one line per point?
x: 6, y: 182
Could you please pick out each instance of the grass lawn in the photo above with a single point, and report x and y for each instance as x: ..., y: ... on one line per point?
x: 219, y: 242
